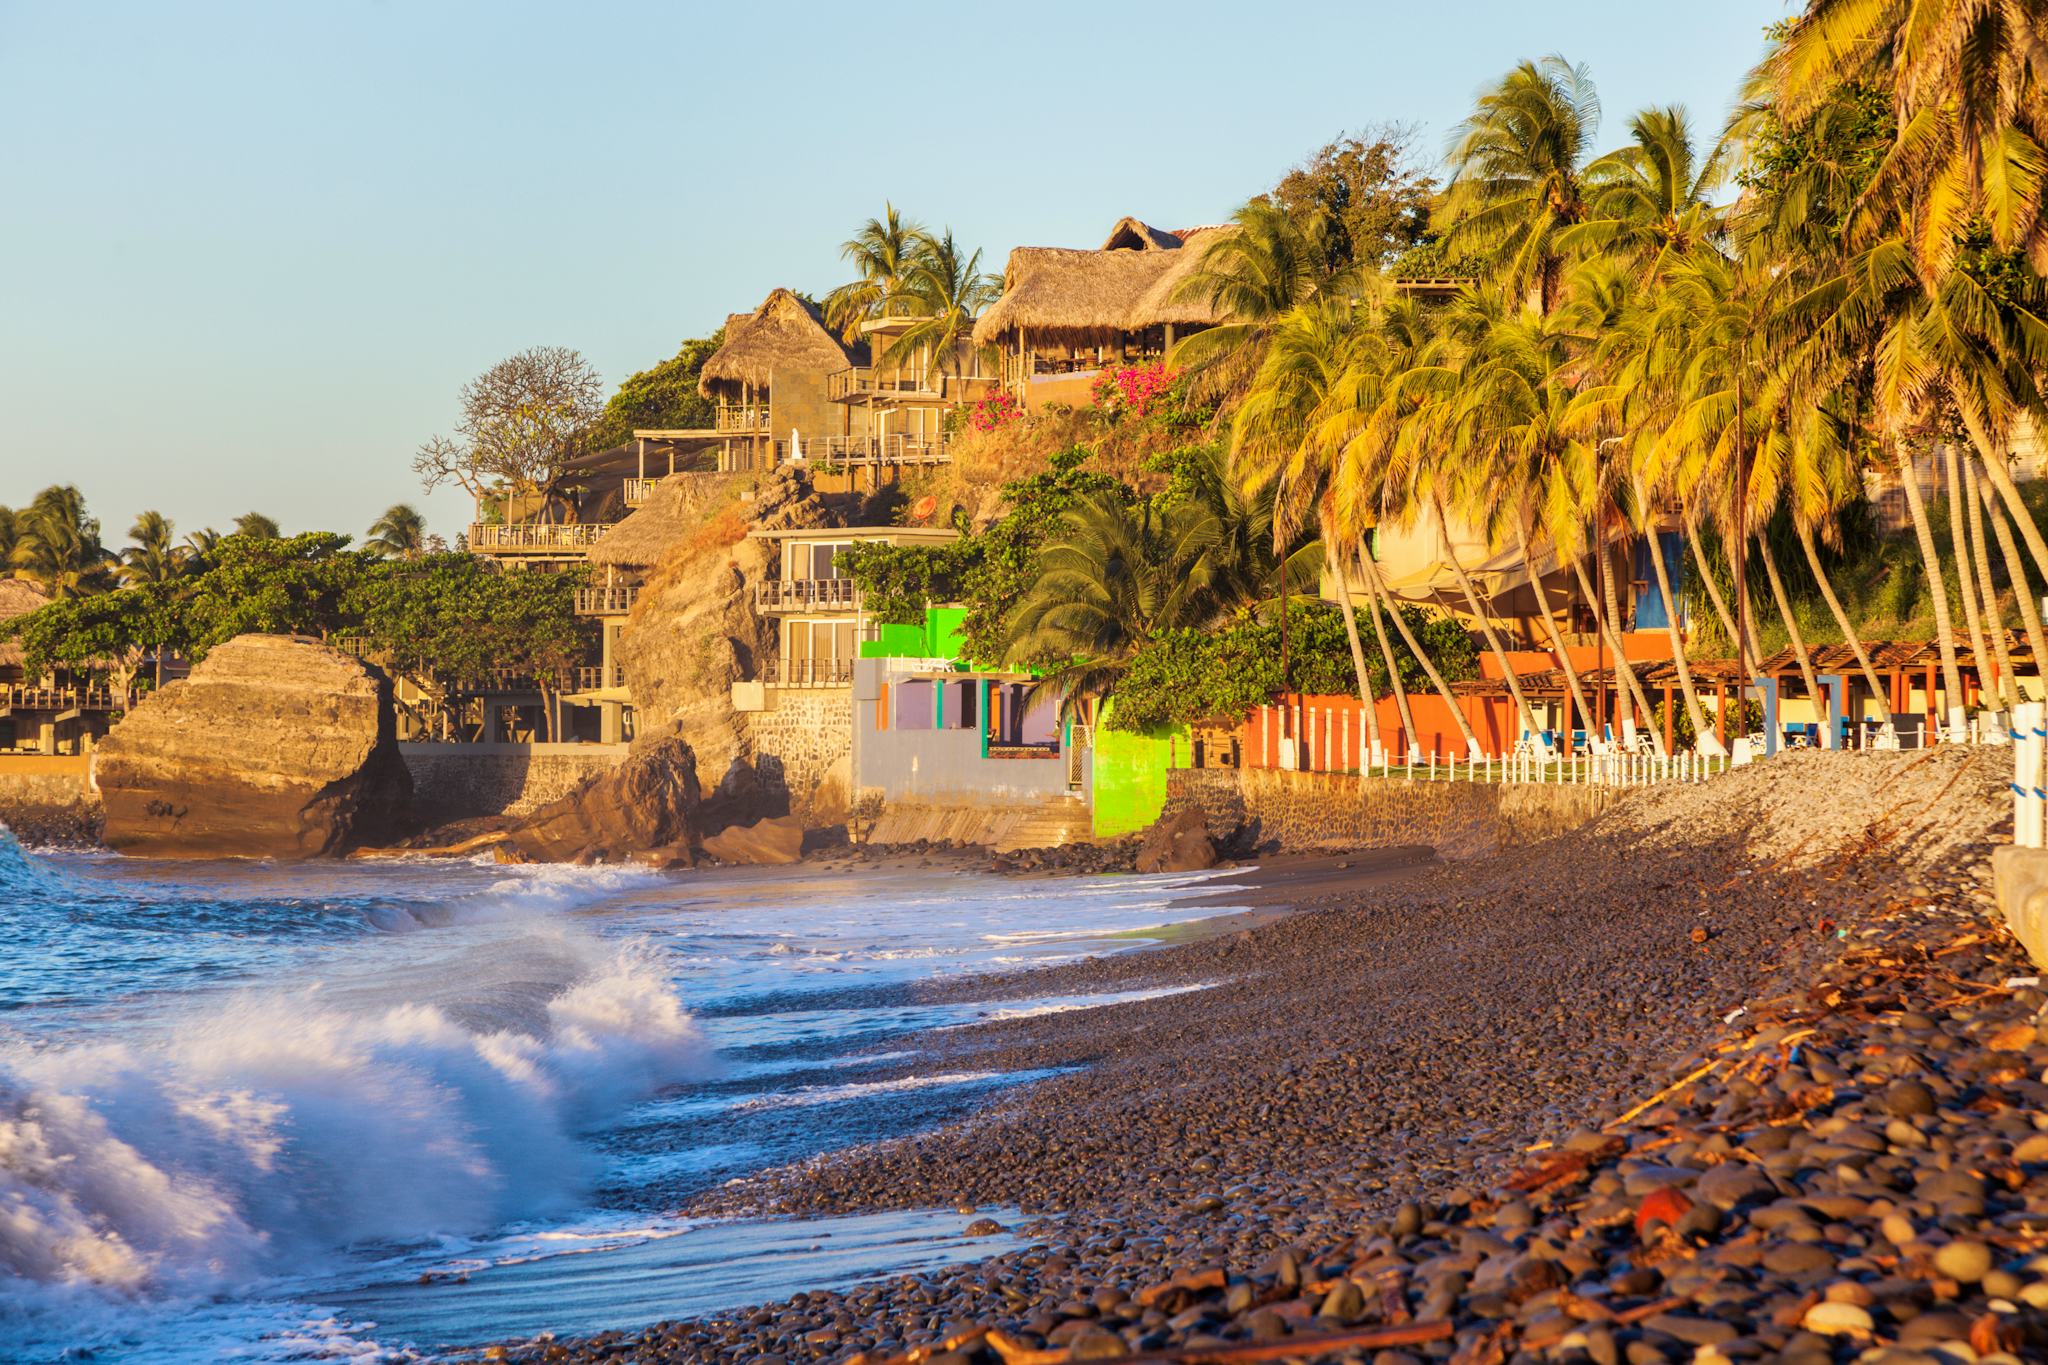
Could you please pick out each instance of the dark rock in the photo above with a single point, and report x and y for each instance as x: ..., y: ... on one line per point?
x: 645, y: 809
x: 774, y: 841
x: 1178, y: 842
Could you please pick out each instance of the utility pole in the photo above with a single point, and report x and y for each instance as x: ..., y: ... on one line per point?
x: 1741, y: 557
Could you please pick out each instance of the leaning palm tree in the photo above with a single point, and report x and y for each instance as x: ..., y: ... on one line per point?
x: 945, y: 293
x: 153, y: 555
x: 1517, y: 174
x: 256, y: 526
x: 882, y: 254
x: 1266, y: 264
x: 57, y: 545
x: 200, y: 549
x: 1650, y: 202
x: 401, y: 533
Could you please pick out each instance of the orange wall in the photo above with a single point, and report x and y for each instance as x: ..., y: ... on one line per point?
x: 1643, y: 646
x: 1332, y: 730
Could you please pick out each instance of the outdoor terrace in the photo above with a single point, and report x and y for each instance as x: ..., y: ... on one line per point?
x: 868, y: 450
x: 806, y: 594
x: 19, y: 697
x: 738, y: 420
x: 536, y: 538
x: 865, y: 381
x: 807, y: 672
x: 615, y: 600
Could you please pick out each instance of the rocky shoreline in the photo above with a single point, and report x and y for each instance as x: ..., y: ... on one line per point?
x: 1740, y: 1071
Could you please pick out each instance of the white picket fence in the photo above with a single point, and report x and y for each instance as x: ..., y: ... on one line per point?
x: 1535, y: 768
x: 2029, y: 736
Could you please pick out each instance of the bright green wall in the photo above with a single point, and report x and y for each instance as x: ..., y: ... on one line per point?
x: 936, y: 637
x: 1130, y: 775
x: 894, y: 642
x: 942, y: 632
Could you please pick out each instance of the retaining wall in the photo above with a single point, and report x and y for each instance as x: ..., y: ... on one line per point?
x: 1323, y: 810
x: 803, y: 749
x: 47, y: 799
x: 464, y: 781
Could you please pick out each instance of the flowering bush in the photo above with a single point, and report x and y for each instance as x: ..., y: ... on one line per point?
x: 994, y: 411
x: 1139, y: 390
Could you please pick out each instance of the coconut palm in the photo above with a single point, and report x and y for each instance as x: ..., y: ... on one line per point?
x: 200, y: 548
x: 882, y: 254
x: 401, y: 533
x: 1518, y: 174
x: 153, y: 555
x: 57, y: 545
x: 1253, y: 275
x: 945, y: 293
x: 1649, y: 202
x: 1973, y: 495
x: 256, y: 526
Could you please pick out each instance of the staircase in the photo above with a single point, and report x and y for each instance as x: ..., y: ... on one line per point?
x: 1056, y: 821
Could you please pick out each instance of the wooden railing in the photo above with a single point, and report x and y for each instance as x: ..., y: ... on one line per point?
x: 808, y: 672
x: 598, y: 678
x: 536, y: 537
x: 23, y: 698
x: 807, y: 594
x: 607, y: 601
x: 868, y: 450
x: 859, y: 380
x: 742, y: 419
x: 638, y: 490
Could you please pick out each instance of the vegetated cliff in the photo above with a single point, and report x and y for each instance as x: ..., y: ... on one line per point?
x: 274, y: 747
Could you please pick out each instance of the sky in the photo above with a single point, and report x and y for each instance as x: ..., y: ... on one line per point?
x: 250, y: 251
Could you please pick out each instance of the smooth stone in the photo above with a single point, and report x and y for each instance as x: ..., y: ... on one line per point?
x: 1909, y: 1099
x: 1964, y: 1262
x: 1838, y: 1319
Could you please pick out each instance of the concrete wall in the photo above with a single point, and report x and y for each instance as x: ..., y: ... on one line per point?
x: 801, y: 750
x: 46, y: 799
x: 464, y: 781
x: 924, y: 764
x: 1324, y: 810
x: 1130, y: 776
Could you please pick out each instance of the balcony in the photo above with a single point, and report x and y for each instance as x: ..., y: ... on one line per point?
x: 808, y: 672
x: 742, y: 420
x: 536, y: 538
x: 608, y: 601
x: 898, y: 449
x: 637, y: 491
x: 23, y: 698
x: 807, y: 594
x: 597, y: 678
x: 864, y: 381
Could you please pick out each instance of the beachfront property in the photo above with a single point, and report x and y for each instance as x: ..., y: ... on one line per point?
x: 56, y: 711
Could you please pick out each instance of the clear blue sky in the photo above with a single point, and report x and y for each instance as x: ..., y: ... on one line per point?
x: 248, y: 251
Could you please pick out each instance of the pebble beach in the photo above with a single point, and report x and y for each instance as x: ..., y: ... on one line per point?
x: 1743, y: 1070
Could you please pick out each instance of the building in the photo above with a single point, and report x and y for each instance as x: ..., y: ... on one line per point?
x: 58, y: 711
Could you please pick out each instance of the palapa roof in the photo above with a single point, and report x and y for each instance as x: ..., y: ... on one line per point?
x: 1125, y: 286
x: 18, y: 597
x: 783, y: 333
x: 639, y: 540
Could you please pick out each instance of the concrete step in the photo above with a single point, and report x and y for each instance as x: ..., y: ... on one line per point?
x: 1060, y: 821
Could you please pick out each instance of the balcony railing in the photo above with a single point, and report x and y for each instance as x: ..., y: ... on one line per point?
x: 859, y: 381
x: 536, y: 537
x: 742, y: 419
x: 868, y: 450
x: 607, y: 601
x: 597, y: 678
x: 807, y: 594
x: 21, y: 698
x: 638, y: 490
x: 808, y: 672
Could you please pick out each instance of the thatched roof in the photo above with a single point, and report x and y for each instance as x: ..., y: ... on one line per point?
x: 675, y: 507
x: 1086, y: 296
x: 783, y: 333
x: 18, y: 597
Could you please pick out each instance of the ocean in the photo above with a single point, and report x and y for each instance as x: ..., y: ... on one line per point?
x: 366, y: 1111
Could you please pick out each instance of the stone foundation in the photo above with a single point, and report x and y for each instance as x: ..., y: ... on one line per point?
x: 468, y: 781
x: 46, y: 800
x: 803, y: 751
x: 1324, y: 810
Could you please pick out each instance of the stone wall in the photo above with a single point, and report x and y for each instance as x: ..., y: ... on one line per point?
x: 803, y: 751
x: 1323, y: 810
x: 465, y: 781
x: 46, y: 800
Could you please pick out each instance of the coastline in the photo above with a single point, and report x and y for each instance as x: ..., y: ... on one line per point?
x: 1374, y: 1059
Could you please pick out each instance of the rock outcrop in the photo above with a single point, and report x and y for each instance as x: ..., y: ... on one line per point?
x: 1178, y: 842
x: 274, y: 747
x: 776, y: 841
x: 644, y: 810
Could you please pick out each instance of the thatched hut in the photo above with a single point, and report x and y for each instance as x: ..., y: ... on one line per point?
x: 18, y: 597
x: 672, y: 511
x: 1065, y: 311
x: 770, y: 375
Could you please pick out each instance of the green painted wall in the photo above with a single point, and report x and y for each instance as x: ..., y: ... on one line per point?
x: 942, y: 632
x: 895, y: 642
x: 1130, y: 775
x: 936, y: 637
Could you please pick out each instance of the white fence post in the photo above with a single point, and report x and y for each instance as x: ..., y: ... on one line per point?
x: 2029, y: 738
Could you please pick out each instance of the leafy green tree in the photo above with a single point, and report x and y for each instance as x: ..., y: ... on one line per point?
x: 57, y: 545
x: 401, y: 533
x: 200, y: 548
x: 293, y: 585
x: 1271, y: 262
x: 110, y: 634
x: 664, y: 398
x: 1370, y: 192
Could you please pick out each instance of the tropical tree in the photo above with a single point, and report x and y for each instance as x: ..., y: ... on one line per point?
x: 401, y: 533
x: 1650, y: 202
x: 1518, y: 175
x: 1270, y: 261
x: 256, y: 526
x: 525, y: 423
x: 883, y: 254
x: 201, y: 548
x: 57, y: 545
x: 945, y: 293
x: 153, y: 555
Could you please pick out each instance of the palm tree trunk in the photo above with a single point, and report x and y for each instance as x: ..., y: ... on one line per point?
x: 1614, y: 620
x: 1612, y: 629
x: 1973, y: 496
x: 1379, y: 628
x: 1793, y: 634
x: 1371, y: 573
x: 1479, y: 613
x: 1571, y: 675
x: 1370, y: 705
x: 1701, y: 734
x: 2037, y: 639
x: 1699, y: 557
x: 1848, y: 629
x: 1965, y: 579
x: 2001, y: 479
x: 1944, y: 629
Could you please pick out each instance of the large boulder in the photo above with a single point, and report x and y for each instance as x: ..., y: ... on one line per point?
x: 274, y: 747
x: 779, y: 840
x: 644, y: 810
x: 1178, y: 842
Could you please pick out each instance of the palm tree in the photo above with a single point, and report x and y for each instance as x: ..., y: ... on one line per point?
x: 1268, y: 264
x: 401, y: 533
x: 153, y: 555
x: 1973, y: 497
x: 57, y: 545
x: 882, y: 254
x: 7, y: 533
x: 256, y: 526
x: 1517, y: 174
x: 1648, y: 202
x: 945, y: 294
x: 200, y: 548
